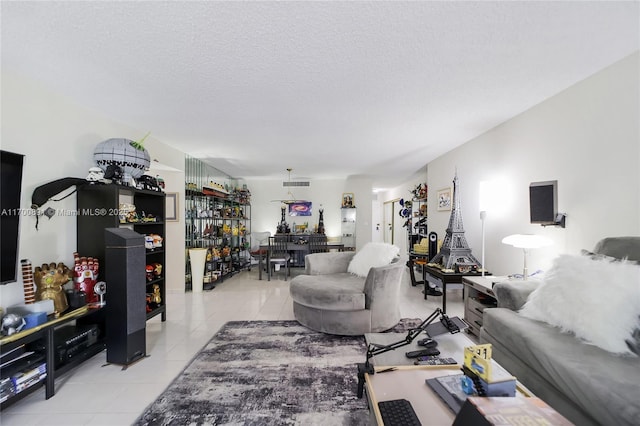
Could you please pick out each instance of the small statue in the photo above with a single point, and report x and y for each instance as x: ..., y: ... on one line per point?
x: 155, y: 296
x: 283, y: 226
x: 157, y: 269
x: 49, y: 281
x: 320, y: 228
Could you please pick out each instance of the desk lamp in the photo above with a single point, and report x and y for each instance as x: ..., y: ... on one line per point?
x: 526, y: 242
x: 446, y: 325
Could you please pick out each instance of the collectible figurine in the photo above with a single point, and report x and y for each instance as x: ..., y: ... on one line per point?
x: 96, y: 174
x: 149, y: 273
x: 49, y: 281
x: 85, y: 272
x: 12, y: 323
x: 155, y: 296
x: 157, y: 270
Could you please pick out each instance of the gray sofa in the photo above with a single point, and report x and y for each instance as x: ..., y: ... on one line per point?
x: 586, y: 384
x: 331, y: 300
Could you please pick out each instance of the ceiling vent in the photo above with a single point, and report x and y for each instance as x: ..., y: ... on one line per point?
x: 289, y: 183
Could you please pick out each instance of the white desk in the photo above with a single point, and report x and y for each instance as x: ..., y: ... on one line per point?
x: 407, y: 381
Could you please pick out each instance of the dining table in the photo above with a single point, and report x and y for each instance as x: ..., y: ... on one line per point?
x: 294, y: 247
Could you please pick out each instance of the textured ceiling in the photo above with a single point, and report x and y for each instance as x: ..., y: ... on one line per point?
x: 330, y: 89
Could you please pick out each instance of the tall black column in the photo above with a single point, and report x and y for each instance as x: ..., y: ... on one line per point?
x: 125, y: 310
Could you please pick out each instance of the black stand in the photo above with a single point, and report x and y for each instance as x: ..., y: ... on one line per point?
x: 375, y: 349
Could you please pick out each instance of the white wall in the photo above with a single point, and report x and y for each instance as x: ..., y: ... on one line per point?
x: 265, y: 212
x: 58, y: 138
x: 586, y: 137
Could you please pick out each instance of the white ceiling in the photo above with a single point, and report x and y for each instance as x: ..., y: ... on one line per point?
x: 330, y: 89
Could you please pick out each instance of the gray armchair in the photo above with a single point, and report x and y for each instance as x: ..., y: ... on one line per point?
x: 331, y: 300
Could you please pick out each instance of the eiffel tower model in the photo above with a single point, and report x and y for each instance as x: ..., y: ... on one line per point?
x: 455, y: 253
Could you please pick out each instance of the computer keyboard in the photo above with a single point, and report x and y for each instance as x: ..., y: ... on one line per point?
x: 398, y: 412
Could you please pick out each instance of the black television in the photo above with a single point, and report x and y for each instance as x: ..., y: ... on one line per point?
x: 543, y: 202
x: 10, y: 189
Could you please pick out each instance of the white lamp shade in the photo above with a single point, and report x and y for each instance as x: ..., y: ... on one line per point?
x: 527, y: 241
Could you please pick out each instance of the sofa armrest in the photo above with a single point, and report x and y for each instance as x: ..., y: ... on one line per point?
x: 513, y: 294
x: 327, y: 263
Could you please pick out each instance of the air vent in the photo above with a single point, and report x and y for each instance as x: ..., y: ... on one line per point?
x: 295, y: 183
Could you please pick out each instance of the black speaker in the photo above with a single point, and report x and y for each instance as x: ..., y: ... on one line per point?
x: 433, y: 244
x: 125, y: 311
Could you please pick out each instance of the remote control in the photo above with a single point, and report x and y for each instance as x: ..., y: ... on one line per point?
x: 427, y: 343
x: 434, y: 361
x: 422, y: 352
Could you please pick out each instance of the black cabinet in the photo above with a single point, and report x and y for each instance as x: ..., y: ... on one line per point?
x: 116, y: 206
x: 37, y: 356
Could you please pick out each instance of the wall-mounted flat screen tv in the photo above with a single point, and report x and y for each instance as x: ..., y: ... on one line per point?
x: 543, y: 202
x: 10, y: 188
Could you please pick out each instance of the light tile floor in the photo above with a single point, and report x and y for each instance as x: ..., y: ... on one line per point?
x: 98, y: 394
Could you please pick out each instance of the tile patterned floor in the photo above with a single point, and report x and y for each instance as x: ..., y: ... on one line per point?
x: 100, y: 394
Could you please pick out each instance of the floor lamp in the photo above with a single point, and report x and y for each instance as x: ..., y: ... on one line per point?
x: 526, y: 242
x: 487, y: 196
x: 483, y: 216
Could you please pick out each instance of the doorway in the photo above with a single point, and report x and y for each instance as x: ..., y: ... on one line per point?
x: 394, y: 231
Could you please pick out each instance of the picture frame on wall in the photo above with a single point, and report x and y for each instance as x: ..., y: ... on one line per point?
x: 444, y: 199
x: 348, y: 200
x: 171, y: 209
x: 300, y: 208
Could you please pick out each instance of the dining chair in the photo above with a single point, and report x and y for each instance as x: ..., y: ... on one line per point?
x: 318, y: 243
x: 257, y: 254
x: 279, y: 254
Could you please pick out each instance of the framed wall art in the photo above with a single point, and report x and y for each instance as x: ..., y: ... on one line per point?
x: 171, y: 210
x: 300, y: 208
x: 347, y: 200
x: 444, y: 199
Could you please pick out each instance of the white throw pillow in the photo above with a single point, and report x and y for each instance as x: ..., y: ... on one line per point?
x: 372, y: 255
x: 596, y: 299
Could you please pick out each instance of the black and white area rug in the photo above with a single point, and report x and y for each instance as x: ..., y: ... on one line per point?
x: 266, y: 373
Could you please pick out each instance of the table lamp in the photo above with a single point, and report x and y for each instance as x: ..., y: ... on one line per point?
x: 526, y: 242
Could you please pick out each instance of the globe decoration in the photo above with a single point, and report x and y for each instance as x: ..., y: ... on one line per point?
x: 130, y: 156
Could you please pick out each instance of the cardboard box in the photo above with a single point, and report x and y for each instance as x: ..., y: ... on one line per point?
x: 39, y: 306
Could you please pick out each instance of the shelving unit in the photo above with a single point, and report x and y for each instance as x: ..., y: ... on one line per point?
x: 103, y: 206
x: 417, y: 229
x: 221, y: 225
x: 42, y: 342
x: 348, y: 228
